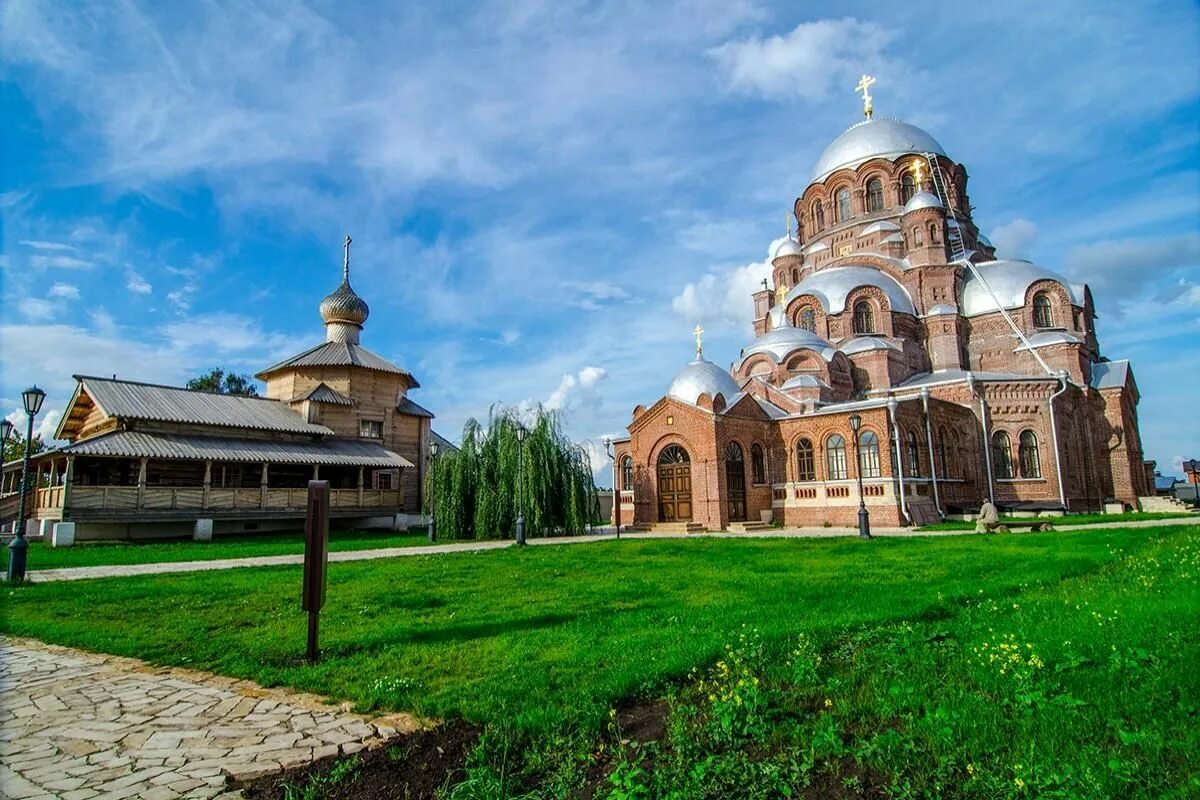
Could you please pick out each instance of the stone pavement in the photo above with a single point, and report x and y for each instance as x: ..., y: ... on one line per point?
x: 122, y: 570
x: 82, y: 726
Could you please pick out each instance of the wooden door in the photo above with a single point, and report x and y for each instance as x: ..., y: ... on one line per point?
x: 674, y: 485
x: 735, y: 481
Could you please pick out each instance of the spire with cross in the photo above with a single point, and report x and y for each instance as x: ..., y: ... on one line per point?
x: 864, y: 86
x: 699, y: 332
x: 346, y: 259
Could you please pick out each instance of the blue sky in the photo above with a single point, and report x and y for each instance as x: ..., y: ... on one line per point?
x: 545, y: 197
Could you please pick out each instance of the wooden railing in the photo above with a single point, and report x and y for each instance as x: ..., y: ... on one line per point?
x: 195, y: 498
x: 49, y: 497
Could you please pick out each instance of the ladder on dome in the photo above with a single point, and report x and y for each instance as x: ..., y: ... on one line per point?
x: 959, y: 255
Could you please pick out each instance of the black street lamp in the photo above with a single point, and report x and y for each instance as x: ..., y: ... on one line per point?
x: 1192, y: 470
x: 521, y: 434
x: 864, y: 518
x: 18, y: 548
x: 433, y: 451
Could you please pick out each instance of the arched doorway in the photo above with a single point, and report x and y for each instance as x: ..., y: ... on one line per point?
x: 674, y: 485
x: 735, y: 481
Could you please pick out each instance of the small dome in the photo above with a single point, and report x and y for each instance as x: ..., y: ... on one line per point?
x: 922, y: 199
x: 941, y: 308
x: 804, y: 382
x: 1047, y: 338
x: 785, y: 339
x: 343, y: 305
x: 862, y: 344
x: 787, y: 247
x: 873, y: 138
x: 832, y: 286
x: 702, y: 377
x: 1008, y: 279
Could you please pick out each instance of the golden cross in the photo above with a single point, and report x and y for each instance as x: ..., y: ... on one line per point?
x: 346, y: 259
x: 917, y: 175
x: 699, y: 346
x: 780, y: 294
x: 864, y: 86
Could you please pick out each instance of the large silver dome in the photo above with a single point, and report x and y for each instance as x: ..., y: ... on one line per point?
x: 832, y: 286
x: 872, y: 138
x: 1009, y: 279
x: 702, y: 377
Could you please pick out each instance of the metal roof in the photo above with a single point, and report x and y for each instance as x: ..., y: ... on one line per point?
x: 340, y: 354
x: 406, y: 406
x: 1109, y: 374
x: 442, y: 441
x: 832, y: 286
x: 872, y: 138
x: 1008, y: 279
x: 322, y: 393
x: 147, y: 401
x: 702, y: 377
x: 332, y: 452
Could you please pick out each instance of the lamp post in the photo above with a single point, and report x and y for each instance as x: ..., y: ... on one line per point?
x: 608, y: 448
x: 433, y: 451
x: 1192, y: 469
x: 864, y: 518
x: 18, y: 548
x: 521, y: 434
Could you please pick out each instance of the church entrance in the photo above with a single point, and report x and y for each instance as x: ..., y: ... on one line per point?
x: 735, y: 481
x: 674, y: 485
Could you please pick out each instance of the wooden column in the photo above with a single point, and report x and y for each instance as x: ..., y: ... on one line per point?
x: 207, y: 483
x: 68, y: 479
x: 263, y: 487
x: 141, y: 486
x: 360, y: 487
x: 316, y: 472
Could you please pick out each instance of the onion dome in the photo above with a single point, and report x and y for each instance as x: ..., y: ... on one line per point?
x: 832, y: 286
x: 786, y: 247
x: 874, y: 138
x: 343, y: 311
x: 1008, y: 280
x: 785, y: 339
x: 702, y: 377
x: 923, y: 199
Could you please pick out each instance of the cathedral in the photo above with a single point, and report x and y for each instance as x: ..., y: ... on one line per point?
x: 897, y: 364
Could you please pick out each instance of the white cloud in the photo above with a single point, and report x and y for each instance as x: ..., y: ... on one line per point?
x: 65, y: 291
x: 1125, y: 268
x: 39, y: 245
x: 577, y: 391
x: 44, y: 424
x: 34, y: 308
x: 59, y: 262
x: 807, y: 62
x: 136, y: 283
x: 723, y: 297
x: 1014, y: 239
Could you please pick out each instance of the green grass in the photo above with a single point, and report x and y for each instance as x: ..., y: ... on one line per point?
x: 91, y: 554
x: 1065, y: 521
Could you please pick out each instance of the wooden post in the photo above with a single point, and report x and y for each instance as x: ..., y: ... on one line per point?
x: 316, y: 556
x: 360, y: 487
x: 316, y: 472
x: 141, y: 486
x: 207, y: 483
x: 263, y: 488
x: 68, y: 479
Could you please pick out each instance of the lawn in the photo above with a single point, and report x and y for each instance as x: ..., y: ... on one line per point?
x: 239, y: 545
x: 875, y: 654
x: 1067, y: 520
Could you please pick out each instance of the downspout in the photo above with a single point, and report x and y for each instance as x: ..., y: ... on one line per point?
x: 937, y: 502
x: 1062, y: 495
x: 892, y: 405
x: 987, y: 439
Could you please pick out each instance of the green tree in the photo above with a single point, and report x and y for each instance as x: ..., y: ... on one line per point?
x: 222, y: 382
x: 474, y: 490
x: 14, y: 448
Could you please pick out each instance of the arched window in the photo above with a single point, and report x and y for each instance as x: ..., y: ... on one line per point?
x: 933, y: 237
x: 914, y: 455
x: 908, y: 187
x: 954, y: 464
x: 673, y: 454
x: 835, y: 458
x: 917, y: 239
x: 758, y: 466
x: 819, y: 214
x: 868, y: 454
x: 795, y: 276
x: 733, y: 452
x: 806, y: 466
x: 1002, y: 461
x: 943, y: 465
x: 874, y: 195
x: 627, y: 473
x: 808, y: 319
x: 843, y: 204
x: 1043, y: 315
x: 1027, y: 450
x: 864, y: 317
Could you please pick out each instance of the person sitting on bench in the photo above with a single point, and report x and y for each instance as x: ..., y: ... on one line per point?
x: 988, y: 519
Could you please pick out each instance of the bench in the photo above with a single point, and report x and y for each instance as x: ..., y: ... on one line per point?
x: 1034, y: 526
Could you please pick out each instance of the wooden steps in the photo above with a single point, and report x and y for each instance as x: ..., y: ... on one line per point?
x: 667, y: 527
x: 749, y: 527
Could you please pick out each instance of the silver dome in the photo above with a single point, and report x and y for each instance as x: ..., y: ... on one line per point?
x: 832, y: 286
x: 702, y: 377
x: 1009, y: 279
x: 804, y: 382
x: 941, y: 308
x: 887, y: 138
x: 1047, y: 338
x: 788, y: 247
x: 923, y: 199
x: 877, y: 227
x: 862, y: 344
x: 779, y: 342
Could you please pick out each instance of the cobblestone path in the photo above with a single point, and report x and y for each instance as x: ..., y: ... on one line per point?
x: 81, y: 726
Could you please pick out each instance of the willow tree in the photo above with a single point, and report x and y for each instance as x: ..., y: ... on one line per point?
x: 474, y: 492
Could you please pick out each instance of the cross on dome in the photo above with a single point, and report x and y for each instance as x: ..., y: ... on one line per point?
x: 864, y: 86
x: 698, y: 332
x: 346, y: 259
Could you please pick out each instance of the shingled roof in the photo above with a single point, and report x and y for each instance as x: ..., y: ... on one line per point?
x: 340, y: 354
x: 333, y: 452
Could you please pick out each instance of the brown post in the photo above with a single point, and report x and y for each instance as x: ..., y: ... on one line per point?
x: 207, y: 483
x: 360, y: 487
x: 141, y: 487
x: 68, y: 479
x: 262, y: 489
x: 316, y: 558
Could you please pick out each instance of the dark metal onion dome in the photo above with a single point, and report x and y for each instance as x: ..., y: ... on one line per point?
x: 344, y: 307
